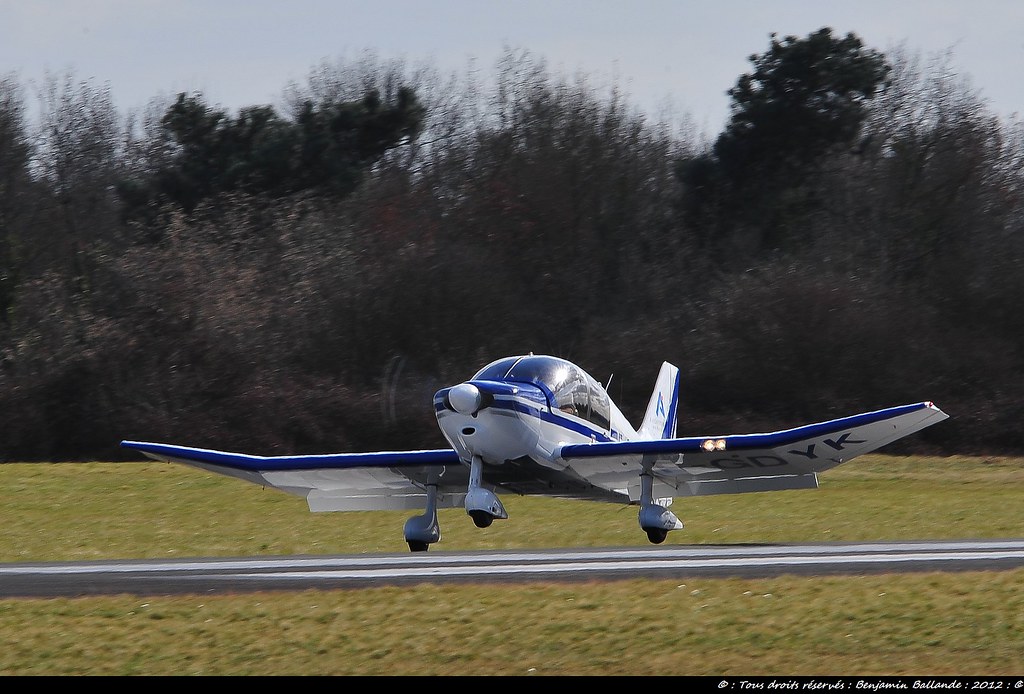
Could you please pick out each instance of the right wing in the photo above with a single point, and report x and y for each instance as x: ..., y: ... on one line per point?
x: 739, y: 463
x: 387, y: 480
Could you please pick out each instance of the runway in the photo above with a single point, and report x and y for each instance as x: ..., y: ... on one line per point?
x: 240, y: 574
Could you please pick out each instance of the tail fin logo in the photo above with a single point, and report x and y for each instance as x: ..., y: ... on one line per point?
x: 661, y: 406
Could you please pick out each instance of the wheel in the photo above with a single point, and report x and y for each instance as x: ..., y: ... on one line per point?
x: 656, y: 535
x: 417, y: 546
x: 482, y: 518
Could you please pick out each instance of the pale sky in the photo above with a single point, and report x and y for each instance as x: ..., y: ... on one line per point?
x: 681, y: 53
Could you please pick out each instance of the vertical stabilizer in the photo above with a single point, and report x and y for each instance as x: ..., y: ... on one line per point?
x: 660, y: 419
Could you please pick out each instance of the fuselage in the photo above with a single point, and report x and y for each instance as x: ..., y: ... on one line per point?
x: 527, y: 407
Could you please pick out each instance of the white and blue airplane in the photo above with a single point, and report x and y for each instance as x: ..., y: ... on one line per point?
x: 540, y: 425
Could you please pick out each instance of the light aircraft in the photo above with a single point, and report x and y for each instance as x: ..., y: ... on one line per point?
x: 540, y: 425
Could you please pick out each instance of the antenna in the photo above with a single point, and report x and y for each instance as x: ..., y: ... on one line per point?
x: 609, y: 382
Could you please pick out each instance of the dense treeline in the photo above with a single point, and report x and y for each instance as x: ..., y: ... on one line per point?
x: 303, y: 278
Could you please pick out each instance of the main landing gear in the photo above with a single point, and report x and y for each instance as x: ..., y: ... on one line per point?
x: 423, y: 531
x: 655, y: 519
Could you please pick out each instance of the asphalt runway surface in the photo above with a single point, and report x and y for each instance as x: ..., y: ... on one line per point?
x: 241, y: 574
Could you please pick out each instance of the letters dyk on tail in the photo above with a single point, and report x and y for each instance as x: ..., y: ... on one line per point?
x: 540, y: 425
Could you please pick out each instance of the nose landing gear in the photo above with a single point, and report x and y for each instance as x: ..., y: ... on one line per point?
x: 482, y: 505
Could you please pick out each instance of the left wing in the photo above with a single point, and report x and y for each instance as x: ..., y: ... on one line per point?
x: 336, y: 482
x: 388, y: 480
x: 738, y: 463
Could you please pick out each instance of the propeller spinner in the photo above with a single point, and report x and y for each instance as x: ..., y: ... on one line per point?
x: 465, y: 398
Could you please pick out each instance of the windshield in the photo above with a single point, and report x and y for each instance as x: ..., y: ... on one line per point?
x: 573, y: 390
x: 496, y: 371
x: 550, y: 371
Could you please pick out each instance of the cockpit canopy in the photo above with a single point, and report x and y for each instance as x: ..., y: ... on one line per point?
x: 572, y: 390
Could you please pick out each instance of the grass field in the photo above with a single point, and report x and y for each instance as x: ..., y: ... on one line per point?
x: 969, y: 623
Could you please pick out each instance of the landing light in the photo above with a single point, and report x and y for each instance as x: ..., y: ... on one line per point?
x: 713, y: 445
